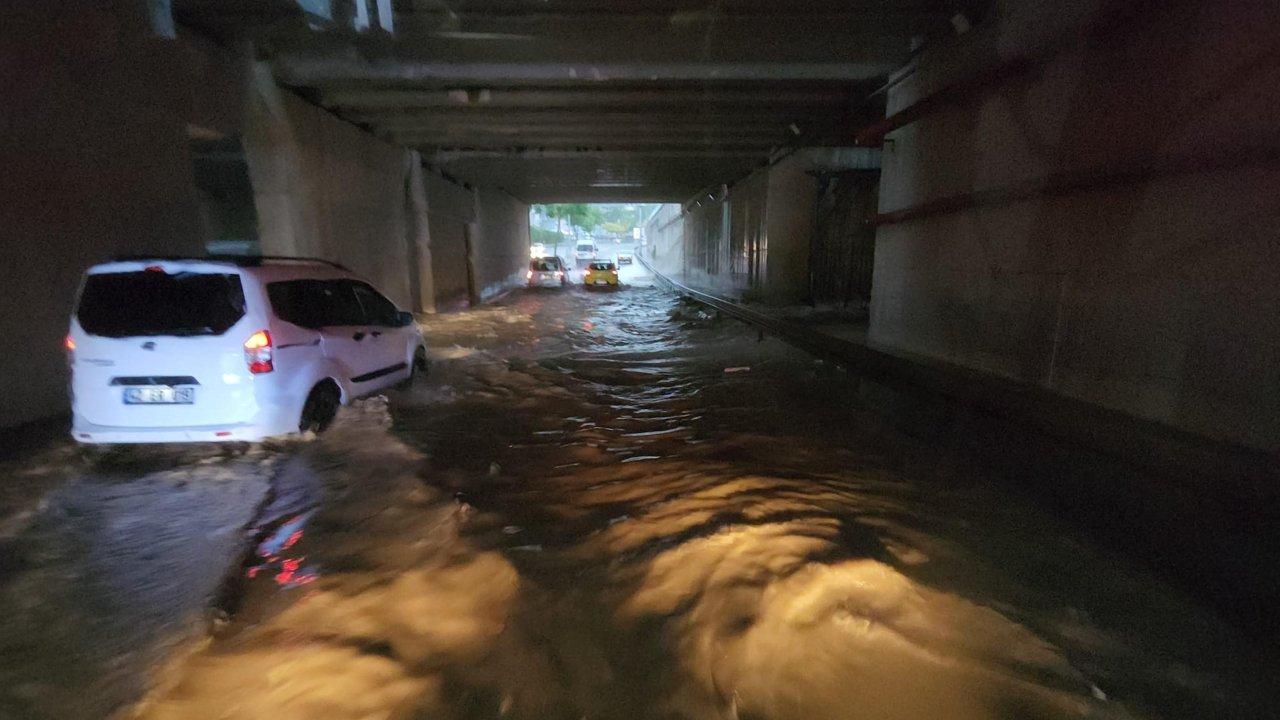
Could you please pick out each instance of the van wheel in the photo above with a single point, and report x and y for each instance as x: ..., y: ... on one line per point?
x: 321, y: 406
x: 416, y: 370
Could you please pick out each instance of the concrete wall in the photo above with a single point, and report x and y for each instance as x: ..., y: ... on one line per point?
x: 664, y: 232
x: 452, y: 214
x: 94, y: 145
x: 789, y: 221
x: 325, y: 188
x: 500, y: 246
x: 1158, y: 297
x: 479, y: 241
x: 753, y: 239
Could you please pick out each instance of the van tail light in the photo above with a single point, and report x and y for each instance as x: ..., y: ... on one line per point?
x: 257, y: 353
x: 70, y: 345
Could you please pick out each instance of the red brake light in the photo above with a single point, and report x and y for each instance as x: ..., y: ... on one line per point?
x: 69, y: 344
x: 257, y: 353
x: 153, y: 268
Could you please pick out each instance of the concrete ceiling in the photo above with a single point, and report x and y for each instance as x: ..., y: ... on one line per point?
x: 593, y: 100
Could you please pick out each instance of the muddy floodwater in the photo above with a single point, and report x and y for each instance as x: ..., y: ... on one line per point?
x: 612, y: 505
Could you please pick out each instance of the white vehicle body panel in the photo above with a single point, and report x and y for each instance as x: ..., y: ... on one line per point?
x: 229, y: 402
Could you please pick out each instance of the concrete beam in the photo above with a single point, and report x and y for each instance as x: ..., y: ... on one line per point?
x: 557, y: 118
x: 654, y: 153
x: 588, y: 136
x: 710, y: 98
x: 310, y: 71
x: 768, y: 131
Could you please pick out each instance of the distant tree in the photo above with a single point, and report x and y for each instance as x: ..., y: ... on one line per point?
x: 579, y: 215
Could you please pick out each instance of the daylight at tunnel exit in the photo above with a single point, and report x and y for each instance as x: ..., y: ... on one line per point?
x: 640, y: 360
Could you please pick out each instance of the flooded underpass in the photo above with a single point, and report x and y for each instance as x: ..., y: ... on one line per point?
x: 615, y: 505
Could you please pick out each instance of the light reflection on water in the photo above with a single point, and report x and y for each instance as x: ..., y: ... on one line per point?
x: 604, y: 523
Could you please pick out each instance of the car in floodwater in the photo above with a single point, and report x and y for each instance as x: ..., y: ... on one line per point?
x: 624, y: 258
x: 228, y: 349
x: 585, y: 252
x: 600, y: 273
x: 547, y: 271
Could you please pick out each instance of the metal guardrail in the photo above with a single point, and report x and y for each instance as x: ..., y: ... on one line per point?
x: 1131, y: 439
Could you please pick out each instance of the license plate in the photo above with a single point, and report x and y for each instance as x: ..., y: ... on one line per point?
x: 159, y: 395
x: 602, y: 282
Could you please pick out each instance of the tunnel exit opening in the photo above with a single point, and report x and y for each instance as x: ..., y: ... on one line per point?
x: 581, y: 232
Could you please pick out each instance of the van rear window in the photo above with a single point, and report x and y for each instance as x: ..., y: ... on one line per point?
x: 316, y: 304
x: 133, y: 304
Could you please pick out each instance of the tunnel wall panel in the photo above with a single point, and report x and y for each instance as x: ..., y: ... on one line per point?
x: 325, y: 188
x: 451, y: 209
x: 753, y: 240
x: 664, y: 233
x: 501, y: 245
x: 484, y: 228
x: 449, y: 261
x: 1158, y: 296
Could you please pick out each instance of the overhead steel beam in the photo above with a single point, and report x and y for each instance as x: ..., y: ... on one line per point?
x: 308, y: 71
x: 766, y: 129
x: 882, y: 15
x: 524, y: 136
x: 574, y: 143
x: 509, y: 116
x: 883, y: 34
x: 710, y: 98
x: 655, y: 153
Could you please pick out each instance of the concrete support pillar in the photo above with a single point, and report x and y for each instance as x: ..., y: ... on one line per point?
x: 275, y: 171
x: 792, y: 193
x: 326, y: 189
x: 419, y: 236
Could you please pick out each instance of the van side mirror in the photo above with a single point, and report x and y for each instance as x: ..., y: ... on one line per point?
x: 404, y: 319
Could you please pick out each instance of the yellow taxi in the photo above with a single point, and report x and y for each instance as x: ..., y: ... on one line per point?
x: 600, y: 273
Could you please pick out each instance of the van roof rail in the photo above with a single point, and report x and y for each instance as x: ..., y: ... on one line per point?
x: 238, y: 260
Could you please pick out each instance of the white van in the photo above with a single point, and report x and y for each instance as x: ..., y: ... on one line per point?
x: 228, y: 349
x: 585, y: 251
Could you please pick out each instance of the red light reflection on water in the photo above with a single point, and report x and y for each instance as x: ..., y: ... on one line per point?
x: 290, y: 570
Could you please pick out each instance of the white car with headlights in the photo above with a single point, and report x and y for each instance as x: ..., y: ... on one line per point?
x: 547, y: 271
x: 228, y: 349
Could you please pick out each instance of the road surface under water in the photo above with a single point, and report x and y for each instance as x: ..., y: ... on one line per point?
x: 611, y: 505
